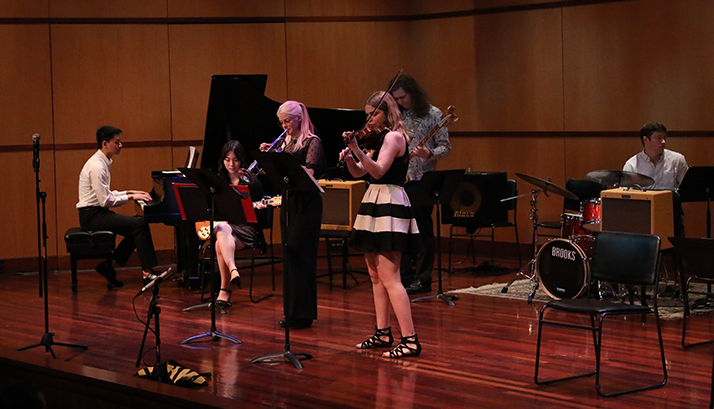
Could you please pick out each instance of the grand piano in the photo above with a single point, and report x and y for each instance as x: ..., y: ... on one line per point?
x: 238, y: 109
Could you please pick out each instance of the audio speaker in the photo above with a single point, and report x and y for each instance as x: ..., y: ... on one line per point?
x: 633, y: 211
x: 476, y: 201
x: 340, y: 203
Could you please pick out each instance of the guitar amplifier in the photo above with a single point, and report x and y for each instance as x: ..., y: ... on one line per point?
x: 634, y: 211
x: 340, y: 203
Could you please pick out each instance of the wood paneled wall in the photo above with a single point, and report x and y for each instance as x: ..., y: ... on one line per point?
x: 531, y: 81
x: 630, y: 62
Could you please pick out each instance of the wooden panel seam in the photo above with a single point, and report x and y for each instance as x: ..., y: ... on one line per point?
x: 460, y: 134
x: 302, y: 19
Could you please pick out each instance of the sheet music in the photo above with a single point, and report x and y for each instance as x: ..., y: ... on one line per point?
x: 313, y: 179
x: 192, y: 158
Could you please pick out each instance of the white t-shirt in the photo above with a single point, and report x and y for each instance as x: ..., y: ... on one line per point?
x: 667, y: 174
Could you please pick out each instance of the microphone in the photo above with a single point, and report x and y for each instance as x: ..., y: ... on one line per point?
x: 158, y: 280
x: 36, y: 152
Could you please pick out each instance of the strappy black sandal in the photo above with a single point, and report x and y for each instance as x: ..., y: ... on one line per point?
x: 376, y: 340
x: 407, y: 347
x: 236, y: 280
x: 222, y: 303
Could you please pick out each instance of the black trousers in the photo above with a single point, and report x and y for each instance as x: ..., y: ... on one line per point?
x: 301, y: 237
x: 424, y: 260
x: 136, y: 232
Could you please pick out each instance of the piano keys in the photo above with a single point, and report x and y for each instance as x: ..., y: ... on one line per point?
x: 163, y: 208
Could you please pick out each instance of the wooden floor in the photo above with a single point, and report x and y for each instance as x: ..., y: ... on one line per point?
x: 479, y: 353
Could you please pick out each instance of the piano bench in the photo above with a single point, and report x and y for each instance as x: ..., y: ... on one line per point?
x: 87, y: 245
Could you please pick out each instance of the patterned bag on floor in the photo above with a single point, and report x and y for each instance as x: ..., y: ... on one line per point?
x: 177, y: 375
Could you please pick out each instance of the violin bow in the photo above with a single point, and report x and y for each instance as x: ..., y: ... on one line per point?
x: 389, y: 88
x: 371, y: 114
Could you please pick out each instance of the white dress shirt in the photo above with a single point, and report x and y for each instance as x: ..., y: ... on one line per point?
x: 667, y: 174
x: 94, y: 181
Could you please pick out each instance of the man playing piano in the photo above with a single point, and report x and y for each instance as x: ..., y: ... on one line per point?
x: 95, y: 200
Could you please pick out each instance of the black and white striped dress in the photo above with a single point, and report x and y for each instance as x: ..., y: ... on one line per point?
x: 385, y: 221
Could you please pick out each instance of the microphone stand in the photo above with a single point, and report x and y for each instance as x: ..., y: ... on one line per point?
x: 40, y: 198
x: 160, y: 372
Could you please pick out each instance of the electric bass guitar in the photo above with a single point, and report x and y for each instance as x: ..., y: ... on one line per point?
x: 447, y: 118
x: 203, y: 228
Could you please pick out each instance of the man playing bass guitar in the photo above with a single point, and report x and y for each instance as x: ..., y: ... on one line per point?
x: 420, y: 117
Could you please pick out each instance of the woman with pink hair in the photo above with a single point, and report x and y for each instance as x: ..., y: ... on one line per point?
x: 300, y: 220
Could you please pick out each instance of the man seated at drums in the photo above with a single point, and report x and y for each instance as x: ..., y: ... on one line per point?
x: 666, y: 167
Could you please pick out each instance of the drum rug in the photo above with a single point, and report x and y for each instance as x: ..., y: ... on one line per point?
x: 669, y: 307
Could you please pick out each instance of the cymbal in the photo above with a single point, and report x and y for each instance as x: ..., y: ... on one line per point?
x: 548, y: 187
x: 620, y: 178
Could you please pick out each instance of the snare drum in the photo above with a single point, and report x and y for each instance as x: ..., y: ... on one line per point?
x: 570, y: 225
x: 563, y: 266
x: 591, y: 214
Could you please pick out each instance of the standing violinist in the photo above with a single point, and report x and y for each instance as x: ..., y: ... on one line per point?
x: 385, y: 226
x: 420, y: 117
x: 300, y: 220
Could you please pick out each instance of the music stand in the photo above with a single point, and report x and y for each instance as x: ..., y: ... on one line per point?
x: 282, y: 169
x: 698, y: 186
x: 434, y: 186
x: 219, y: 199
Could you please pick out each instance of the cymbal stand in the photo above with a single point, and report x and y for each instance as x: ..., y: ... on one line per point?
x: 528, y: 271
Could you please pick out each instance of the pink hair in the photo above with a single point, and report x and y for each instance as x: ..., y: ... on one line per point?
x: 298, y: 110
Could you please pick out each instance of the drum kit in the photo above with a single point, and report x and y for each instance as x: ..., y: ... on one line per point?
x: 562, y: 266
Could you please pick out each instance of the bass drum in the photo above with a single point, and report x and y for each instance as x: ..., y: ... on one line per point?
x: 563, y: 266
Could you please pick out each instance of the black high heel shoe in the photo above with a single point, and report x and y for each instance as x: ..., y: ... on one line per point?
x: 407, y: 347
x: 222, y: 303
x: 236, y: 281
x: 377, y: 341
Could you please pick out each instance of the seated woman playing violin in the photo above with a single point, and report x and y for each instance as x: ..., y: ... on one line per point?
x: 232, y: 237
x: 385, y: 226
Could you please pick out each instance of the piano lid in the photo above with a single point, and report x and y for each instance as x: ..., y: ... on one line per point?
x: 238, y: 109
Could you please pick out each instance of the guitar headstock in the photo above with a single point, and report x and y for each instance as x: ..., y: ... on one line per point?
x: 448, y: 117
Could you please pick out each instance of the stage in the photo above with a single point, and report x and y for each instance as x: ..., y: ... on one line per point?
x: 479, y: 353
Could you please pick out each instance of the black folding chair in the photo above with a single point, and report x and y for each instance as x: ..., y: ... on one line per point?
x: 622, y: 258
x: 697, y: 257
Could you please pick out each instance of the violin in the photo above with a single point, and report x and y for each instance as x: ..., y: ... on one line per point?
x: 368, y: 137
